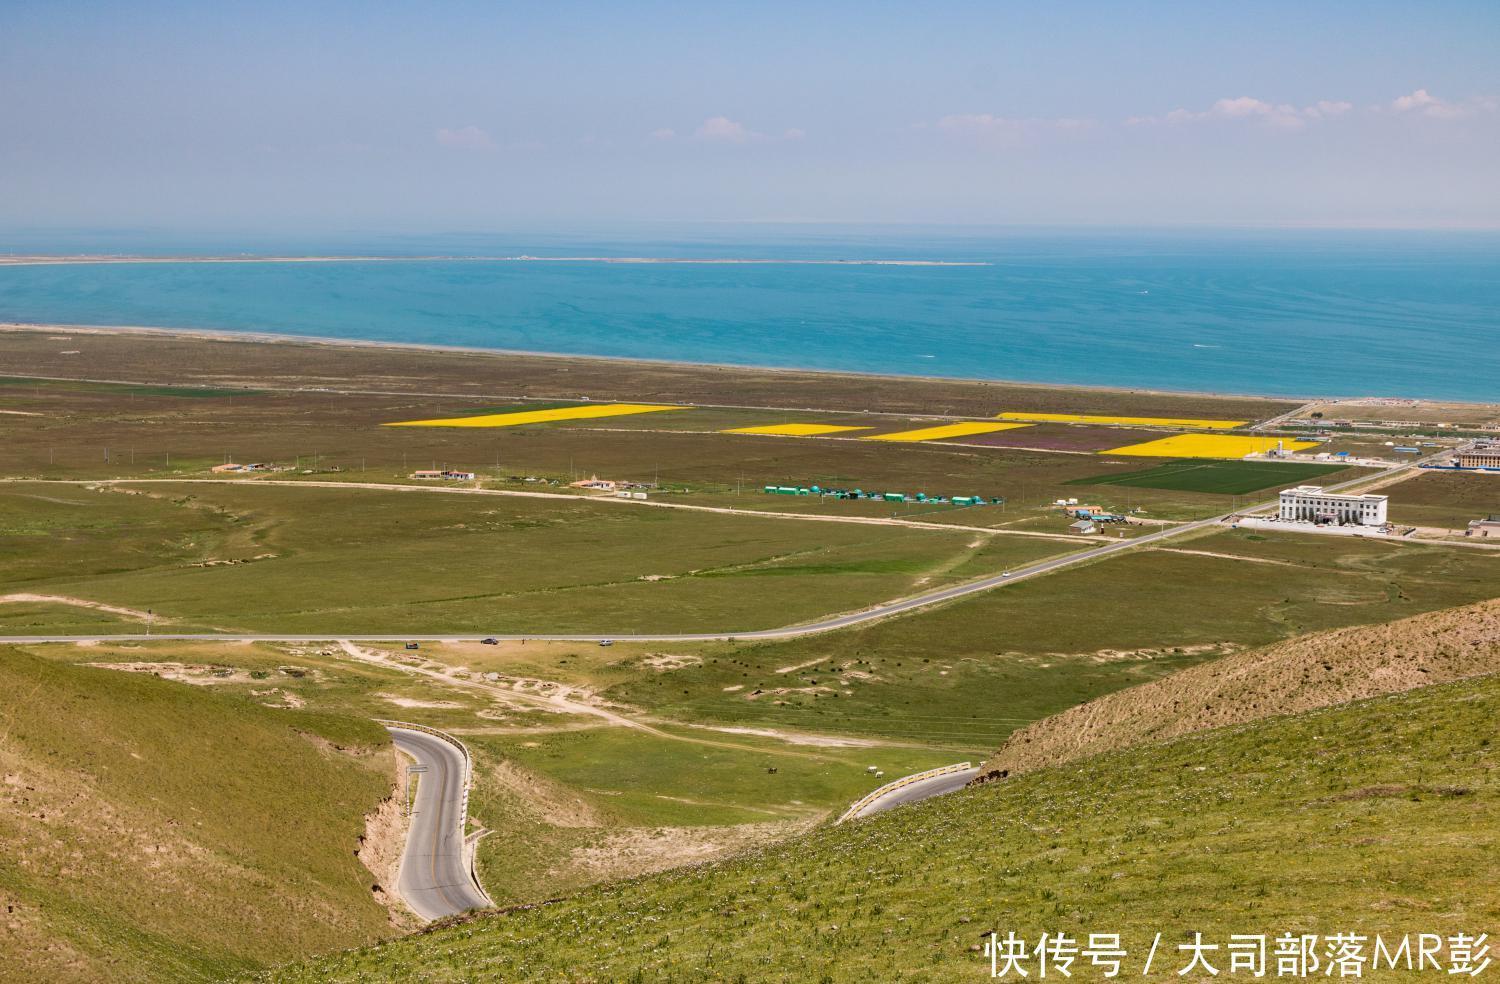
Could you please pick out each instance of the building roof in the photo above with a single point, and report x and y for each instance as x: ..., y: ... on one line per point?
x: 1308, y: 490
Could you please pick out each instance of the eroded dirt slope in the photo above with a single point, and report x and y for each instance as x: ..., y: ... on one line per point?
x: 1312, y: 671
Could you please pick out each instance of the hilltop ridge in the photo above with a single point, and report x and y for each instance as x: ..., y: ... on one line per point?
x: 1309, y: 672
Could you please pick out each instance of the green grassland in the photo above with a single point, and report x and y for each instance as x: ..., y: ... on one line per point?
x: 362, y: 561
x: 660, y: 798
x: 1221, y: 477
x: 1378, y: 817
x: 586, y: 781
x: 971, y: 671
x: 1445, y: 499
x: 155, y: 831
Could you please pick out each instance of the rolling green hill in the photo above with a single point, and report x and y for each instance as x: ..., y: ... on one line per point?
x: 1381, y: 816
x: 155, y: 831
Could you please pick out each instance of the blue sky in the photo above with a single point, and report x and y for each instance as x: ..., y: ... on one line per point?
x: 312, y: 117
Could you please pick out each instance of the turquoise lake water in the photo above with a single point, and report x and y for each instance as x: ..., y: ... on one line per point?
x: 1286, y: 314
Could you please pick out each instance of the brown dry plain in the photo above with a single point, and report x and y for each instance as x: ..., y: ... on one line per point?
x: 204, y: 359
x: 1301, y: 674
x: 1420, y: 411
x: 71, y: 429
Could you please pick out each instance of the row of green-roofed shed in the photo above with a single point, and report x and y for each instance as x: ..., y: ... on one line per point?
x: 923, y: 497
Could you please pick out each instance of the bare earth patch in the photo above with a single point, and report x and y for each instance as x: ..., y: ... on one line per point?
x: 380, y: 850
x: 666, y: 661
x: 547, y: 801
x: 796, y: 738
x: 98, y: 606
x: 200, y: 674
x: 411, y: 702
x: 642, y: 850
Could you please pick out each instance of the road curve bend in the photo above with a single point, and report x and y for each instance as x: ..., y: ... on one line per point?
x: 437, y: 878
x: 911, y: 789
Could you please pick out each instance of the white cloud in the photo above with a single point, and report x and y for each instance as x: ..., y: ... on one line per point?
x: 1005, y: 128
x: 663, y: 133
x: 1286, y: 116
x: 465, y: 138
x: 722, y: 128
x: 1251, y: 109
x: 1424, y: 103
x: 1326, y: 108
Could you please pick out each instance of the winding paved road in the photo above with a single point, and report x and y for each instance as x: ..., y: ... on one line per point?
x: 436, y: 879
x: 924, y: 789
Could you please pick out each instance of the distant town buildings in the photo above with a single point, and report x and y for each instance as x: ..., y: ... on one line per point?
x: 1313, y: 504
x: 1489, y: 526
x: 233, y: 467
x: 451, y: 476
x: 1485, y: 454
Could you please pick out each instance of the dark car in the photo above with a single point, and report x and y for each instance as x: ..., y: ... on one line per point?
x: 412, y: 645
x: 491, y: 641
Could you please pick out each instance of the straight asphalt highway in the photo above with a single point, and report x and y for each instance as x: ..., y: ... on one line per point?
x: 436, y: 879
x: 885, y: 610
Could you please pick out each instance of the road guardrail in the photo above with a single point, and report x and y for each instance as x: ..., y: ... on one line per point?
x: 901, y: 783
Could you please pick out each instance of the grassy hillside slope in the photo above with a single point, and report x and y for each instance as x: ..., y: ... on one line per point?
x: 1312, y: 671
x: 1380, y: 816
x: 155, y: 831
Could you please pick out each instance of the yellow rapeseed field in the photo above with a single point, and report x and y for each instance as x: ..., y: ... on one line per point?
x: 519, y: 417
x: 1084, y: 418
x: 1207, y: 446
x: 795, y: 430
x: 942, y: 431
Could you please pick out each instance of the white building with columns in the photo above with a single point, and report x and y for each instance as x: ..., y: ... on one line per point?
x: 1311, y: 504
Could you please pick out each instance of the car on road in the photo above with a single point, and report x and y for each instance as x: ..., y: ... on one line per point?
x: 491, y: 641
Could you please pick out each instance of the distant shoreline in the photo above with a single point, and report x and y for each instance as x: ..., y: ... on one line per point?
x: 271, y: 338
x: 82, y: 259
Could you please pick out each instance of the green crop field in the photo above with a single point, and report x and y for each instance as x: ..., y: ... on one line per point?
x: 1376, y: 817
x: 1218, y: 477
